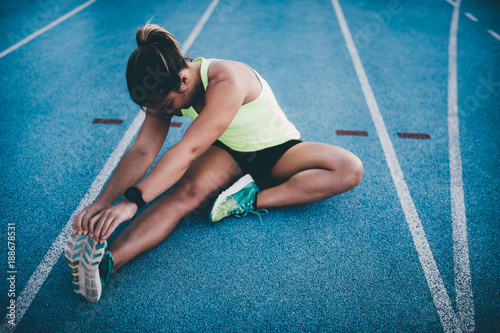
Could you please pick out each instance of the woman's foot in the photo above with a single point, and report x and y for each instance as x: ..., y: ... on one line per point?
x: 237, y: 200
x: 91, y: 266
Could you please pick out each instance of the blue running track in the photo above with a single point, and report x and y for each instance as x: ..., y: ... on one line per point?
x: 358, y: 262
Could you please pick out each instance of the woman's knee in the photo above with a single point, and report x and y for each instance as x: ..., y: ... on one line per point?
x: 188, y: 190
x: 195, y: 191
x: 352, y: 171
x: 356, y: 171
x: 347, y: 168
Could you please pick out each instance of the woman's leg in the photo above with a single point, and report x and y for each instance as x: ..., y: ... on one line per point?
x: 310, y: 172
x: 211, y: 172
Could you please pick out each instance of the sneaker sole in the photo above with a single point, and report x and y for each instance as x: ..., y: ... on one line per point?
x: 240, y: 184
x: 83, y: 257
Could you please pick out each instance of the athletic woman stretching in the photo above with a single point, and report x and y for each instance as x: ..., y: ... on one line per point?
x: 238, y: 129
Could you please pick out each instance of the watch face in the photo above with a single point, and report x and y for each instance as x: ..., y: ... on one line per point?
x: 134, y: 194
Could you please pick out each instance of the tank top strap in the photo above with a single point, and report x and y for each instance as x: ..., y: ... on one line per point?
x: 205, y: 65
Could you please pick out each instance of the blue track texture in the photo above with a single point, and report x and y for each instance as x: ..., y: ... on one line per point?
x: 346, y: 264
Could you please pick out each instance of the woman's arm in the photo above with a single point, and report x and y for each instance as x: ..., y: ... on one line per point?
x: 223, y: 98
x: 138, y: 159
x: 132, y: 167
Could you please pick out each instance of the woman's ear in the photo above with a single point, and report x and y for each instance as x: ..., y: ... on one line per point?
x: 184, y: 82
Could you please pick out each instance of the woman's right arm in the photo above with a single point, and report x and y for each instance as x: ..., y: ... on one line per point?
x: 132, y: 167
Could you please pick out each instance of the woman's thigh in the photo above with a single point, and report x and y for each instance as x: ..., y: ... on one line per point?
x: 314, y: 155
x: 207, y: 175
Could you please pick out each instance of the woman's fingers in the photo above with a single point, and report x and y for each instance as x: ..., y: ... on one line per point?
x: 108, y: 229
x: 99, y: 222
x: 77, y: 222
x: 88, y: 220
x: 84, y: 222
x: 94, y: 221
x: 99, y: 227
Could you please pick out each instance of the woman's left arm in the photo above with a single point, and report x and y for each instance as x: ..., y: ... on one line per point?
x: 223, y: 98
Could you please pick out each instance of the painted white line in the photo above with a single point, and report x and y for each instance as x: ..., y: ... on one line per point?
x: 34, y: 284
x: 453, y: 3
x: 471, y: 17
x: 197, y: 29
x: 434, y: 280
x: 38, y: 278
x: 463, y: 288
x: 47, y: 27
x: 494, y: 34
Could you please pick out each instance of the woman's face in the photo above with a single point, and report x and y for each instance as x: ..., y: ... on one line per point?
x: 173, y: 102
x: 168, y: 106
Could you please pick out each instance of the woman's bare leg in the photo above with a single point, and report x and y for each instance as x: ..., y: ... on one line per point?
x: 212, y: 171
x: 311, y: 172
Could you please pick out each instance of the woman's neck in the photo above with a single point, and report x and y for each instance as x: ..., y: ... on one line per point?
x: 198, y: 92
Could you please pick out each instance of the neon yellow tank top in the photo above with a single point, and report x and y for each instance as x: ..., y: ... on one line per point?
x: 257, y: 125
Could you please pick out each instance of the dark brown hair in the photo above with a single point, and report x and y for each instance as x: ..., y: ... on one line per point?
x: 153, y: 68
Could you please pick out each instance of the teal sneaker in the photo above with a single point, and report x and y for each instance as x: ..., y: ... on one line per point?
x: 91, y: 266
x: 237, y: 200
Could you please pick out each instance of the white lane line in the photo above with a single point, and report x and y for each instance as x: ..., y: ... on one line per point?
x: 463, y: 288
x: 471, y: 17
x: 494, y: 34
x: 45, y: 267
x: 199, y: 26
x: 453, y: 3
x: 23, y: 301
x: 47, y: 27
x: 434, y: 280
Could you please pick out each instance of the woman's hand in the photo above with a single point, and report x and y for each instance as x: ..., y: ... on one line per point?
x: 81, y: 221
x: 105, y: 222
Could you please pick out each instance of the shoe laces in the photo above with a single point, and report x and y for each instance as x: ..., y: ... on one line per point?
x: 247, y: 208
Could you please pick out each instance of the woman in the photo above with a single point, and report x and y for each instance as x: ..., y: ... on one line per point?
x: 238, y: 129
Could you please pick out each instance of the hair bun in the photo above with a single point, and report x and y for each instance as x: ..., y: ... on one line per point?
x: 152, y: 34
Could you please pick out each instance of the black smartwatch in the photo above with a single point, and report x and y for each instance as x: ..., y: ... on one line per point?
x: 134, y: 195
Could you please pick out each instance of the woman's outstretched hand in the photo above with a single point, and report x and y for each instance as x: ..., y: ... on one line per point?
x: 102, y: 225
x: 99, y: 220
x: 81, y: 221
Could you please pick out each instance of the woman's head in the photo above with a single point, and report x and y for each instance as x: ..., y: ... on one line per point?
x: 153, y: 68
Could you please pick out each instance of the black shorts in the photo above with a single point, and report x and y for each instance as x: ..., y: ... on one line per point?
x: 259, y: 163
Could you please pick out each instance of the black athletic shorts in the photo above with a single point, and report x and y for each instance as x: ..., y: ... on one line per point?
x: 259, y: 163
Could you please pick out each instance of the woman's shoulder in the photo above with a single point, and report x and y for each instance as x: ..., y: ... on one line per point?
x: 239, y: 75
x: 223, y: 68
